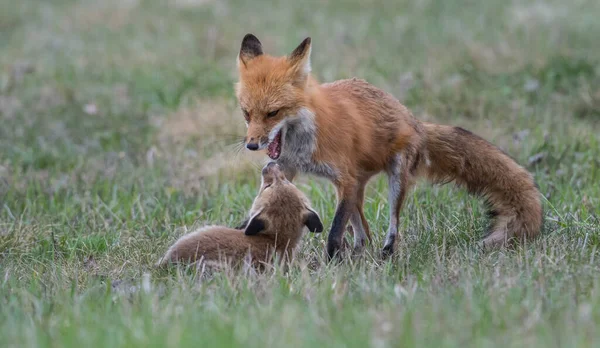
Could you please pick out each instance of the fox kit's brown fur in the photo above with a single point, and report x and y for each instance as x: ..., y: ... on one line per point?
x: 349, y: 130
x: 274, y: 227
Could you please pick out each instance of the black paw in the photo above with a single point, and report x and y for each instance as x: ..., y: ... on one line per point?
x: 333, y: 250
x: 387, y: 251
x: 358, y: 250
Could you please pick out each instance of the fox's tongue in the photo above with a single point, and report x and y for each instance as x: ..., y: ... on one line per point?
x: 274, y: 148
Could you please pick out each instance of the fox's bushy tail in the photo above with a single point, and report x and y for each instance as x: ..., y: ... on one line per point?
x: 513, y: 198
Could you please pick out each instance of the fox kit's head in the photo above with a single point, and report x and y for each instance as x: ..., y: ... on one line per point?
x: 271, y: 91
x: 281, y: 207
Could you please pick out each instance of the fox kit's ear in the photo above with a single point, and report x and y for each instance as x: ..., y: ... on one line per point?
x: 243, y: 225
x: 255, y: 225
x: 300, y: 58
x: 251, y: 48
x: 312, y: 221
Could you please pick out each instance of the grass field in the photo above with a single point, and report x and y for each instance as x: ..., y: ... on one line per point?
x: 118, y: 130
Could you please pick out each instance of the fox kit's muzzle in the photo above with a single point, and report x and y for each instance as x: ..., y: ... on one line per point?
x: 271, y: 168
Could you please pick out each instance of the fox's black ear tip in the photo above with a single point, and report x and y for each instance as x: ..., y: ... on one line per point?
x: 305, y: 42
x: 250, y: 48
x: 254, y: 226
x: 318, y: 229
x: 249, y: 37
x: 313, y: 222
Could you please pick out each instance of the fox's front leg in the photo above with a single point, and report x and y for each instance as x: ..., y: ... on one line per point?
x: 345, y: 207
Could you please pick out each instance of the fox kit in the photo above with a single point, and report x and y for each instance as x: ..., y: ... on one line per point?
x: 347, y: 131
x: 276, y: 222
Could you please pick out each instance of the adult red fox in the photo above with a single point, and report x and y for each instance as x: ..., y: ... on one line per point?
x: 349, y: 130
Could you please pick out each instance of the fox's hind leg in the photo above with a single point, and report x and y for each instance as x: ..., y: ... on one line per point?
x: 398, y: 182
x: 499, y: 233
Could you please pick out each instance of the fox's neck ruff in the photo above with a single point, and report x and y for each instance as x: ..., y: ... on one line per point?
x: 299, y: 139
x: 300, y: 143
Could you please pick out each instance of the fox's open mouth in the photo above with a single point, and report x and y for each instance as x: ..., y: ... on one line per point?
x: 274, y: 147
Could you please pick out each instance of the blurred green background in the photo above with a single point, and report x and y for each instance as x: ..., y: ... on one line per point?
x: 119, y: 132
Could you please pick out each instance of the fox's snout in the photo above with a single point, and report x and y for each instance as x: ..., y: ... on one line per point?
x: 252, y: 143
x: 252, y: 146
x: 255, y: 143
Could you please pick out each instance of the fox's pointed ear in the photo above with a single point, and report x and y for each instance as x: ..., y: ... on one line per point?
x: 251, y: 48
x: 313, y: 221
x: 255, y: 225
x: 300, y: 58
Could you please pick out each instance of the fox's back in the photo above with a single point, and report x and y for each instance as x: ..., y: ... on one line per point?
x: 375, y: 124
x: 218, y: 243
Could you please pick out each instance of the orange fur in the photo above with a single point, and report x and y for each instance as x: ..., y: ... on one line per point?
x: 349, y: 130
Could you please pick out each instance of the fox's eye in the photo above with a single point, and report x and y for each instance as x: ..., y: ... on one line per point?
x: 246, y: 114
x: 272, y: 113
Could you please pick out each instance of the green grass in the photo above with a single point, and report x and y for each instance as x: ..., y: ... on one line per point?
x: 117, y: 135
